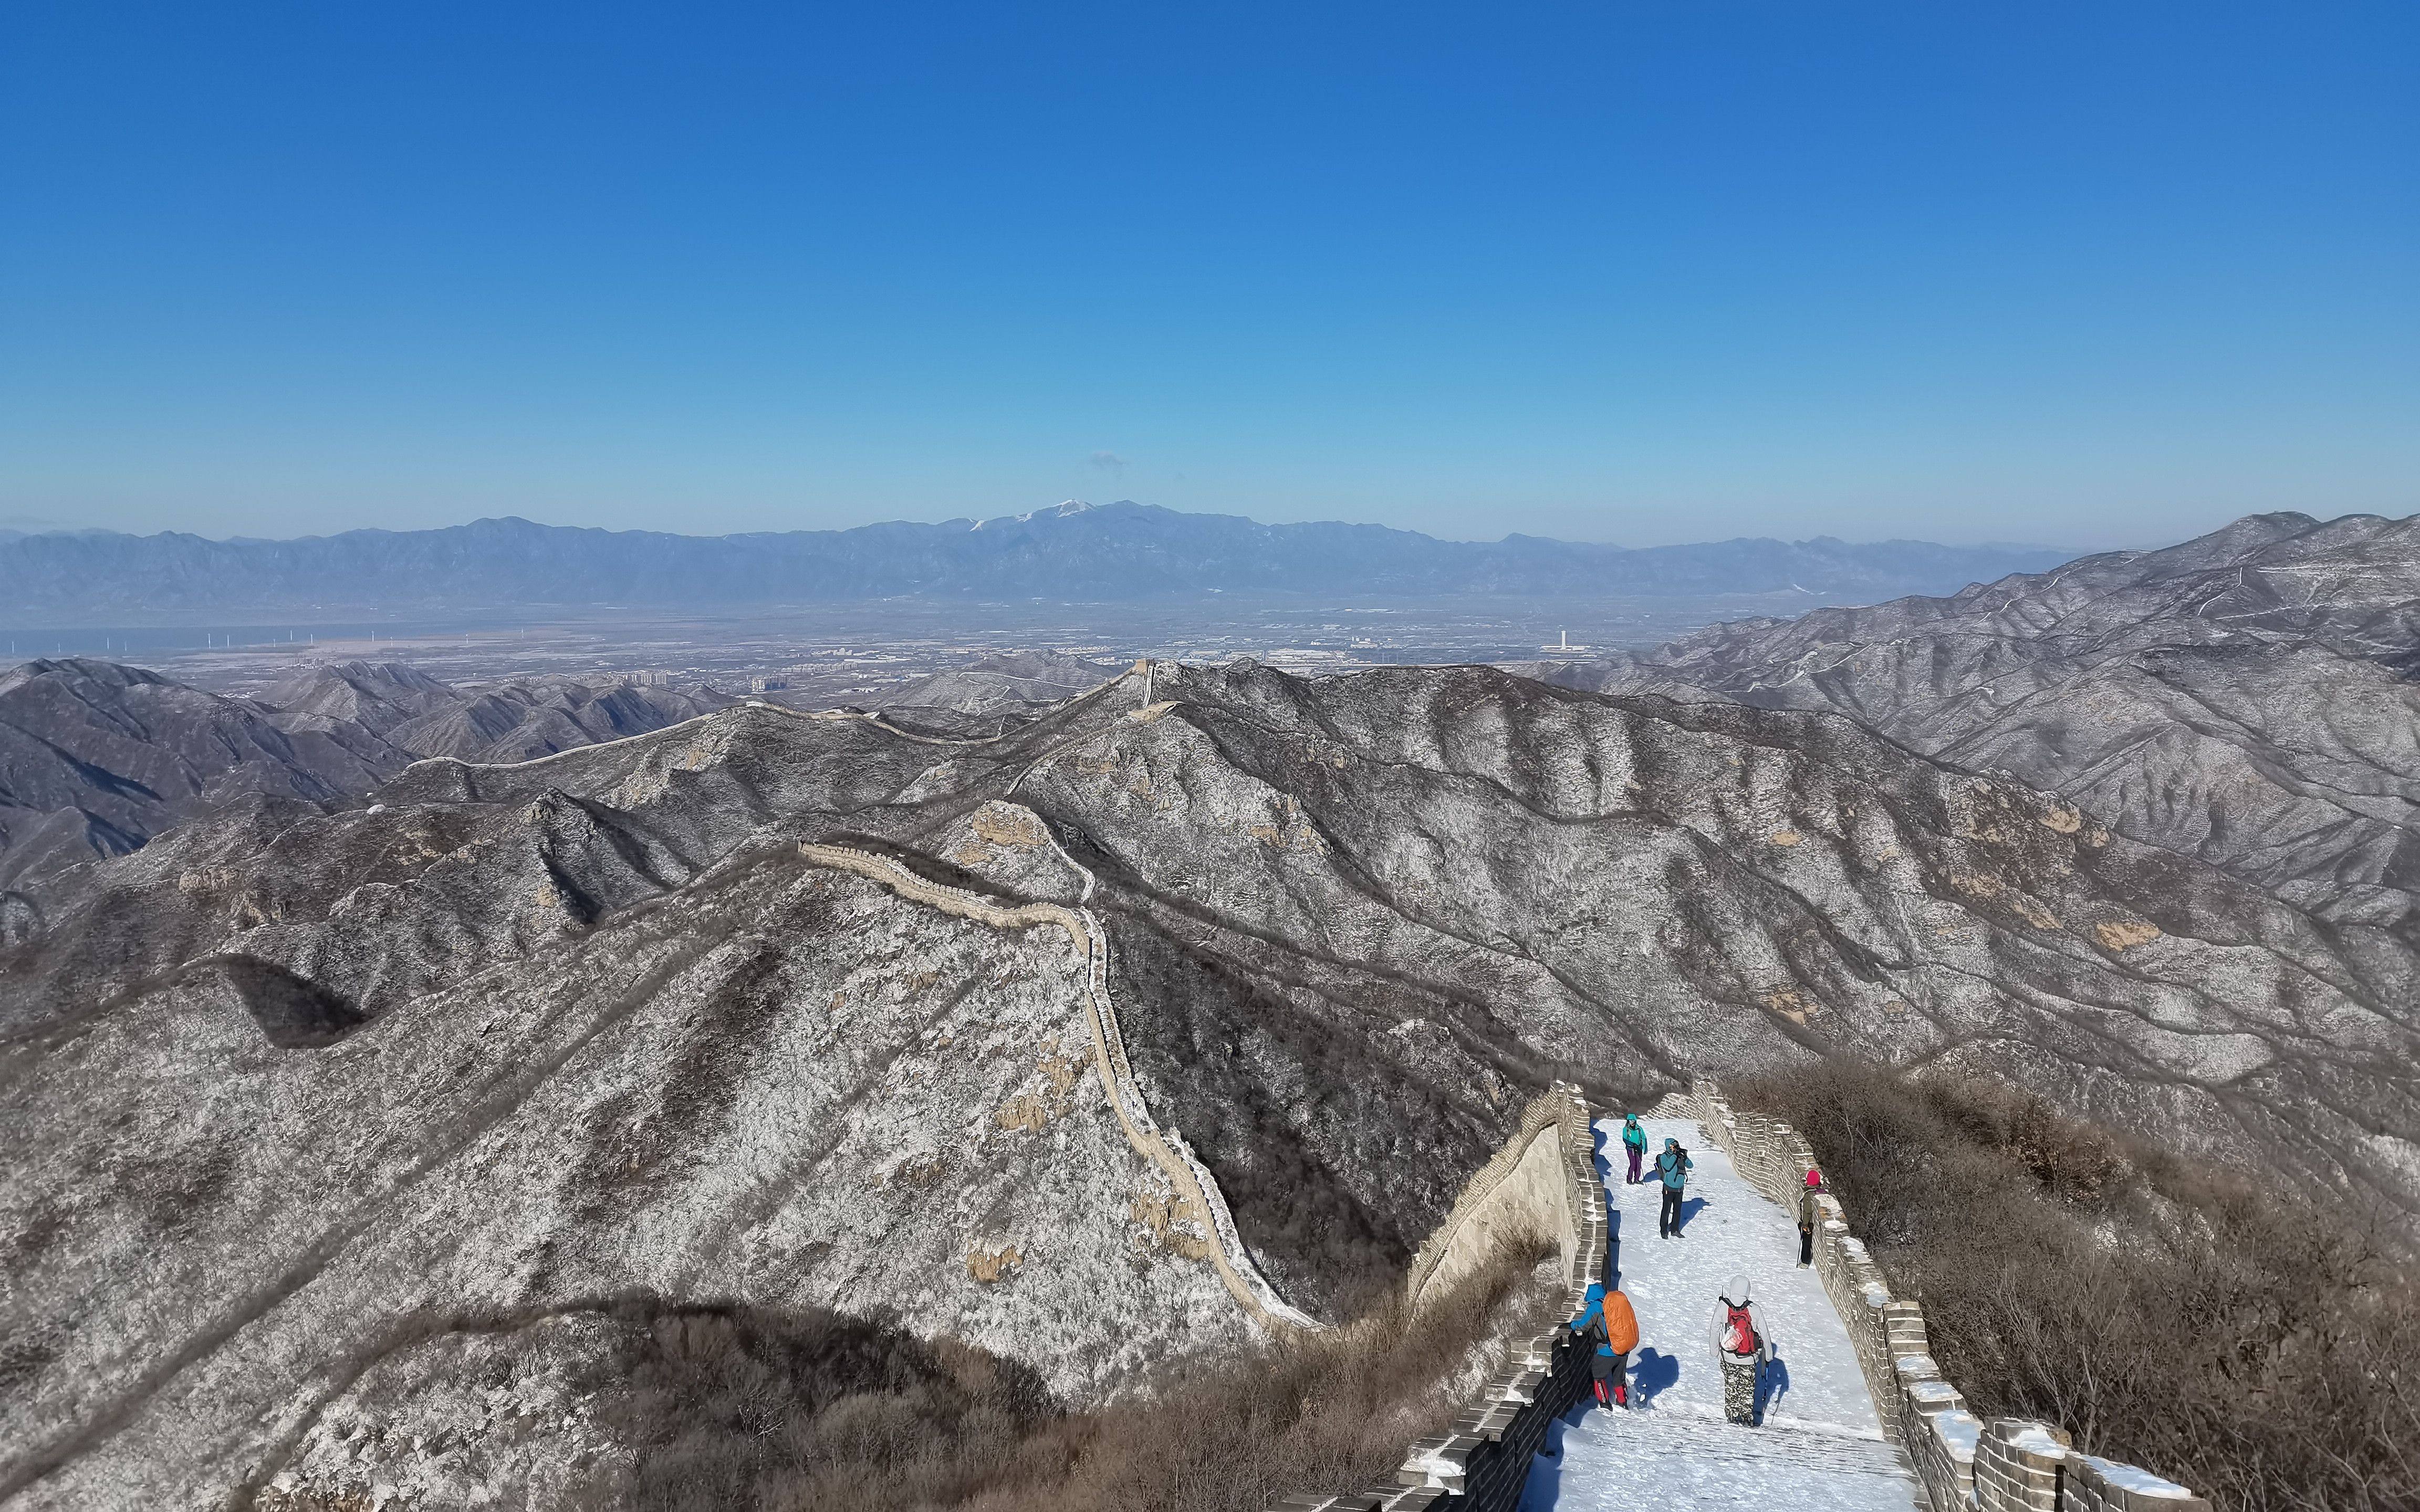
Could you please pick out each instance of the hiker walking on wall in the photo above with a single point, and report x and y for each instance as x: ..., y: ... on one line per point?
x: 1634, y: 1139
x: 1742, y: 1346
x: 1608, y: 1320
x: 1810, y: 1214
x: 1672, y: 1167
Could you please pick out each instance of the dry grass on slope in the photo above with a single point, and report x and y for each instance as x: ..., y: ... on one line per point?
x: 737, y: 1409
x: 1323, y: 1414
x: 2246, y: 1340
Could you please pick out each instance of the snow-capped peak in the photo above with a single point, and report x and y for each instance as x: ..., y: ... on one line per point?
x: 1071, y: 506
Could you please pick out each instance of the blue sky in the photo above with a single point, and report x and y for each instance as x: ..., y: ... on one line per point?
x: 2085, y: 274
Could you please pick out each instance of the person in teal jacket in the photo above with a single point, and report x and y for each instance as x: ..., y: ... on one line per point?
x: 1673, y: 1166
x: 1634, y: 1139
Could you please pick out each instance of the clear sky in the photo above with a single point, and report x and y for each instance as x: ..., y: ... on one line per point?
x: 2085, y: 274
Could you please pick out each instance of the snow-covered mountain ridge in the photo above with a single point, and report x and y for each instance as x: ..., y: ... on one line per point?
x: 518, y: 1037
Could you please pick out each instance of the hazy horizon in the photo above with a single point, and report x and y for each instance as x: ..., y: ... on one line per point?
x: 37, y: 526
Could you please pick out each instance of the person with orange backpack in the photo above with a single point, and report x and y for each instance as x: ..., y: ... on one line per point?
x: 1742, y: 1346
x: 1610, y: 1322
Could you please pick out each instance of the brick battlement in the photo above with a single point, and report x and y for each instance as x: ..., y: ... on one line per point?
x: 1962, y: 1461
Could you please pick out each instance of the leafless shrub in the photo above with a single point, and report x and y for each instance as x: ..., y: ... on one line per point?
x: 734, y: 1406
x: 2235, y: 1337
x: 731, y: 1407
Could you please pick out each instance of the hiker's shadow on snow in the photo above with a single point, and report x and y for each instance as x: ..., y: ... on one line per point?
x: 1602, y: 1147
x: 1770, y: 1383
x: 1544, y: 1485
x: 1689, y: 1207
x: 1655, y: 1371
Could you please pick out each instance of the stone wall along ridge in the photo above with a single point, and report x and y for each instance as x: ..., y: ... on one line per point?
x: 1480, y: 1463
x: 1518, y: 1193
x: 1164, y: 1148
x: 1135, y: 1112
x: 752, y: 706
x: 887, y: 727
x: 1962, y: 1461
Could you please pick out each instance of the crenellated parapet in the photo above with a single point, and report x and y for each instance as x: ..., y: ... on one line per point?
x: 1962, y: 1461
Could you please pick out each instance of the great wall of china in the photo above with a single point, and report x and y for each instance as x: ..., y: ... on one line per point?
x: 1166, y: 1149
x: 1961, y: 1460
x: 1543, y: 1184
x: 1958, y: 1461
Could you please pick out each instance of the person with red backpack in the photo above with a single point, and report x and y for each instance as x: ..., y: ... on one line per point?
x: 1610, y: 1322
x: 1742, y: 1346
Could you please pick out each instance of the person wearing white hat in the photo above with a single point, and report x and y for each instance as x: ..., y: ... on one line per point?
x: 1742, y: 1346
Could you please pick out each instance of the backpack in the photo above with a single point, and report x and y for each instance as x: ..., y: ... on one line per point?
x: 1616, y: 1303
x: 1739, y: 1330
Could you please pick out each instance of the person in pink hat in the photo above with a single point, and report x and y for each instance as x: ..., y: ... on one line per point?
x: 1809, y: 1214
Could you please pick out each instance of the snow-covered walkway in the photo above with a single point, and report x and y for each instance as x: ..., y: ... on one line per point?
x: 1820, y: 1447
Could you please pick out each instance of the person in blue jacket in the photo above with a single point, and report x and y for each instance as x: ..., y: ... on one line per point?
x: 1608, y: 1322
x: 1634, y: 1139
x: 1672, y: 1167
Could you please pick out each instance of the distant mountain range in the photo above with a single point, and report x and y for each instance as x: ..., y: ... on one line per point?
x: 1076, y: 552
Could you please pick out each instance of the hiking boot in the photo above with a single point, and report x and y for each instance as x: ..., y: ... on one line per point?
x: 1621, y: 1397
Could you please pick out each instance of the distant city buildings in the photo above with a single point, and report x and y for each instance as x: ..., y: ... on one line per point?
x: 767, y: 683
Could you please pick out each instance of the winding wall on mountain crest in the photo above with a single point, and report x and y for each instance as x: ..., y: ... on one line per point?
x: 1961, y: 1460
x: 1164, y: 1148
